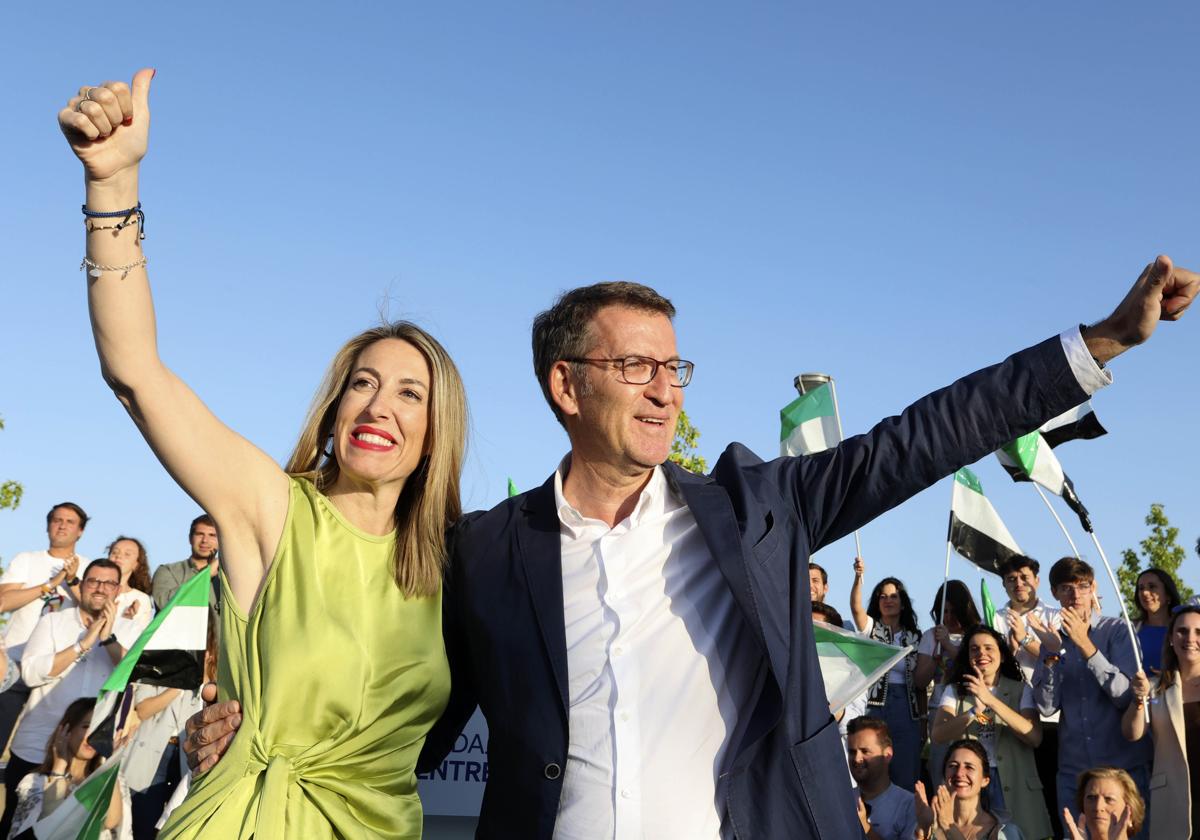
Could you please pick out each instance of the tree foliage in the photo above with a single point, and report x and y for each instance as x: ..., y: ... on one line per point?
x: 10, y: 491
x: 1160, y: 550
x: 683, y: 447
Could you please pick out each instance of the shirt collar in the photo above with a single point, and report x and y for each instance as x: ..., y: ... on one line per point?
x: 654, y: 498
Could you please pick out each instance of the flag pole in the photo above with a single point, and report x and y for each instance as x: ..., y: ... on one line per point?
x: 946, y: 575
x: 1133, y: 641
x: 1057, y: 519
x: 1137, y: 654
x: 837, y: 416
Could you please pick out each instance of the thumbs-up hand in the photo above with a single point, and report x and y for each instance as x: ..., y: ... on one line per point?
x: 108, y: 126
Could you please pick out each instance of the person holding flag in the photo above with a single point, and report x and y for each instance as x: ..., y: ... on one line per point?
x: 1087, y: 680
x: 897, y: 698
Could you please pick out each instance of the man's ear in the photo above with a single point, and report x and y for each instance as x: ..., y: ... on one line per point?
x: 565, y: 388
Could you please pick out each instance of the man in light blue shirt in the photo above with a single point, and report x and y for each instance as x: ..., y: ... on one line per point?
x: 886, y: 811
x: 1087, y: 680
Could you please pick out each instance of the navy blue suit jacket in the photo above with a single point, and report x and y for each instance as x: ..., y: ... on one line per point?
x: 786, y: 778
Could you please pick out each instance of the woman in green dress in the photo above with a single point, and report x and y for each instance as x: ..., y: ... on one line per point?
x: 331, y: 569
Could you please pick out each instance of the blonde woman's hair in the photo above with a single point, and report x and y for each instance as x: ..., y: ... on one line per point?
x: 1133, y: 799
x: 429, y: 502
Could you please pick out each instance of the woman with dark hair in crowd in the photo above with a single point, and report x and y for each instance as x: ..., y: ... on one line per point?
x: 341, y: 551
x: 939, y: 645
x: 69, y: 760
x: 1157, y: 598
x: 1175, y: 728
x: 1110, y: 807
x: 896, y: 698
x: 960, y: 809
x: 986, y: 699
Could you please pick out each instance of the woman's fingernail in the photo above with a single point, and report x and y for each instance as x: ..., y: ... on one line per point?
x: 127, y: 121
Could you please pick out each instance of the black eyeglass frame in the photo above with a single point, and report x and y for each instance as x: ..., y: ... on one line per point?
x: 683, y: 371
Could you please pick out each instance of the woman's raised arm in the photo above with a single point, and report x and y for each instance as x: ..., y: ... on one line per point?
x: 107, y: 127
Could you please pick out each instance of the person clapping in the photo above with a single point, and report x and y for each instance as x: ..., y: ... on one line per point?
x: 960, y: 809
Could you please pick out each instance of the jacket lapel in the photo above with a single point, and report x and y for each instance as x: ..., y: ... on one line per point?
x: 1174, y: 700
x: 709, y: 504
x: 538, y: 541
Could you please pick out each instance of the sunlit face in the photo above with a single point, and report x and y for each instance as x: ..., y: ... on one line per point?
x: 77, y: 740
x: 868, y: 759
x: 817, y: 585
x: 611, y: 422
x: 889, y: 601
x: 965, y: 773
x: 1076, y: 595
x: 204, y: 542
x: 984, y: 654
x: 1021, y: 586
x: 64, y: 528
x: 1185, y: 638
x: 379, y: 434
x: 1103, y: 805
x: 98, y: 587
x: 1151, y: 593
x: 125, y: 554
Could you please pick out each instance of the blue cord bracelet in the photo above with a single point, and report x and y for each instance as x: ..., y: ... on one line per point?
x: 117, y: 214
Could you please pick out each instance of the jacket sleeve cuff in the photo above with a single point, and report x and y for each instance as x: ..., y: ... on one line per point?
x: 1090, y: 375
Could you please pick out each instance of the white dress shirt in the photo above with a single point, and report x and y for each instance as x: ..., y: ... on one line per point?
x: 51, y: 695
x: 660, y: 662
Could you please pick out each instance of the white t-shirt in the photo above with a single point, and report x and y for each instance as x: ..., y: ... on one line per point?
x: 127, y: 630
x: 33, y: 568
x: 893, y: 814
x: 987, y: 732
x: 927, y: 646
x: 51, y: 695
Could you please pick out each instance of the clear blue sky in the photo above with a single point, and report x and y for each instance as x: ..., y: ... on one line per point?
x: 892, y: 193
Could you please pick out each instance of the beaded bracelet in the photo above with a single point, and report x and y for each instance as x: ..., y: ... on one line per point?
x: 97, y: 269
x: 118, y: 214
x: 91, y: 228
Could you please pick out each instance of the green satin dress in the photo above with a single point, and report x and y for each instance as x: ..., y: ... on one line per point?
x: 340, y: 678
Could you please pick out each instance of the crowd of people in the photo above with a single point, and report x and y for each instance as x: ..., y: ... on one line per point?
x: 1038, y: 724
x: 637, y: 636
x: 71, y: 621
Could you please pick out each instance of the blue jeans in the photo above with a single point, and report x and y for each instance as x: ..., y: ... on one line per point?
x: 906, y: 737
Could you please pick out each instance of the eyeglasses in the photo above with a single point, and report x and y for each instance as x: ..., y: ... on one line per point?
x: 1074, y: 588
x: 641, y: 370
x: 101, y: 584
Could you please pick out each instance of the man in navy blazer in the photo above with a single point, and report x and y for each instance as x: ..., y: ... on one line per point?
x: 637, y: 636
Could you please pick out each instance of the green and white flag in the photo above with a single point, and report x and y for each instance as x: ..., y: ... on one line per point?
x: 81, y: 816
x: 808, y: 424
x: 1079, y: 423
x: 976, y: 531
x: 850, y: 663
x: 989, y: 606
x: 169, y: 653
x: 1030, y: 458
